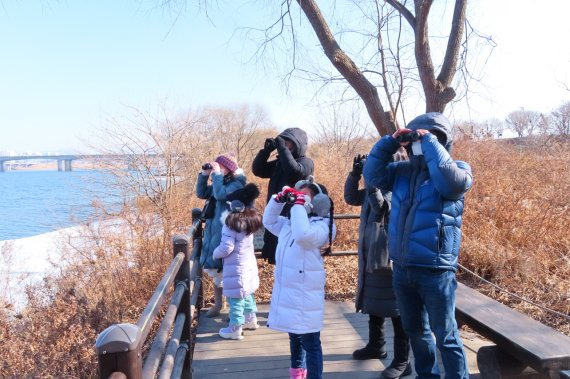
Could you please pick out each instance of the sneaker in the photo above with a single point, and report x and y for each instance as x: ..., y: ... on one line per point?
x: 250, y: 322
x: 231, y: 332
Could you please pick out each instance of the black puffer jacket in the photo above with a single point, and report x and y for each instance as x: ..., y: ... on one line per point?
x: 374, y: 294
x: 289, y: 167
x: 286, y: 170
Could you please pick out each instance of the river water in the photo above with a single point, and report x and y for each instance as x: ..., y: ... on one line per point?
x: 37, y: 209
x: 37, y: 202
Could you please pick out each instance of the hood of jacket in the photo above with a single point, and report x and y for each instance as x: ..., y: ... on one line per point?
x: 434, y: 121
x: 299, y: 138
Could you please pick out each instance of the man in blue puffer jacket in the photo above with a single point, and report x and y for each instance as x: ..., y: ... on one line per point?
x: 424, y: 234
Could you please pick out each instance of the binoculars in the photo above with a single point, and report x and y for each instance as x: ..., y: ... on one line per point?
x: 408, y: 137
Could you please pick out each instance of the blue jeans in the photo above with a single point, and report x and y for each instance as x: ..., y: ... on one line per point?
x: 306, y: 352
x: 426, y: 298
x: 239, y: 308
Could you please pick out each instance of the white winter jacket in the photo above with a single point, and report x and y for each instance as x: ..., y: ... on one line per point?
x: 298, y: 297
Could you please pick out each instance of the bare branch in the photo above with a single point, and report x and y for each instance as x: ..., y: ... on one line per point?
x: 453, y: 43
x: 404, y: 12
x: 342, y: 62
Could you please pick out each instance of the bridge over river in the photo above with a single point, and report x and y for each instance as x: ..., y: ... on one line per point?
x: 64, y: 162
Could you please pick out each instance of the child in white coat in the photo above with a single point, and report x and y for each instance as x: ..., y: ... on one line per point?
x: 240, y: 272
x: 298, y: 297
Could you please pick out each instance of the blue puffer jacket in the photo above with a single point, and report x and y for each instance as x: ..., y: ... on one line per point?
x: 427, y: 196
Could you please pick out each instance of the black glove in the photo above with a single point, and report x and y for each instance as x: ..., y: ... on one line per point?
x: 269, y: 144
x: 358, y: 164
x: 280, y: 142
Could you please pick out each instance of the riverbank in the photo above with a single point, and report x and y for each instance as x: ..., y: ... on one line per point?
x: 26, y: 261
x: 52, y: 166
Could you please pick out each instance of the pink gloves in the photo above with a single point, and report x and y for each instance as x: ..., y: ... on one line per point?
x: 290, y: 196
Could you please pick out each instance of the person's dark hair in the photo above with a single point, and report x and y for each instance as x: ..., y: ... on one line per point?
x: 328, y: 249
x: 229, y: 177
x: 248, y: 221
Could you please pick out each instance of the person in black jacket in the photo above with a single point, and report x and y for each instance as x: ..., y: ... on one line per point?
x: 374, y: 293
x: 290, y: 166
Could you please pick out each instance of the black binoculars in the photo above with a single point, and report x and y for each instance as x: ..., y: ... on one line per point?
x: 206, y: 166
x: 408, y: 137
x: 270, y: 144
x: 290, y: 198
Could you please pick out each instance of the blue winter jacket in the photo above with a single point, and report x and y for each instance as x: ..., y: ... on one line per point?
x: 424, y: 229
x: 220, y: 188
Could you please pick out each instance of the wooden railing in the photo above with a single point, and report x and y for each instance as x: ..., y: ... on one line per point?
x: 119, y: 347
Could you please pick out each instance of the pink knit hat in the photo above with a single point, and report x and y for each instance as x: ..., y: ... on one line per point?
x: 228, y: 160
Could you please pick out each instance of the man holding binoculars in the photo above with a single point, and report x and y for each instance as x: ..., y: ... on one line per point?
x: 289, y: 166
x: 424, y: 235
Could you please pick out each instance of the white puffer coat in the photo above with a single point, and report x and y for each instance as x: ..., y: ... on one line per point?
x: 298, y: 297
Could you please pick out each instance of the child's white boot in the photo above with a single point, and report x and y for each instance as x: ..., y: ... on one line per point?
x: 298, y: 373
x: 250, y: 321
x: 232, y: 332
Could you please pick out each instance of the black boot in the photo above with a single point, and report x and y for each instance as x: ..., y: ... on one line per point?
x: 400, y: 366
x: 374, y: 349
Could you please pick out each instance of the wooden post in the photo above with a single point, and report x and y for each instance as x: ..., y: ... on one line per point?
x: 197, y: 246
x: 180, y: 244
x: 196, y: 213
x: 118, y: 351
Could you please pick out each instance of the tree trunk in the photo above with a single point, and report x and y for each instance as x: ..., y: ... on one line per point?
x: 437, y: 91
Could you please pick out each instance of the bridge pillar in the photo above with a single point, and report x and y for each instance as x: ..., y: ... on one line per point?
x: 68, y: 164
x: 2, y: 166
x: 59, y: 165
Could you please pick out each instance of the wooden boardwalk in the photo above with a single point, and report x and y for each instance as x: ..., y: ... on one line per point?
x: 264, y: 353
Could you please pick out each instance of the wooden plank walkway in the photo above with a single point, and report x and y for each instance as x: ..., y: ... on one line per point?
x: 264, y: 353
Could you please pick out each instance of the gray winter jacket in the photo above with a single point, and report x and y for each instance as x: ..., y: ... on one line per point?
x: 374, y: 293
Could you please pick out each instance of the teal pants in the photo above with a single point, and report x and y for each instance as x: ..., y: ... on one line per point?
x: 240, y: 307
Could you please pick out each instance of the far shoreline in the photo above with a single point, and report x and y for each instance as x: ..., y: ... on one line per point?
x: 52, y: 166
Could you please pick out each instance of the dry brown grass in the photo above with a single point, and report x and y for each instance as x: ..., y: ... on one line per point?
x: 516, y: 223
x: 515, y: 234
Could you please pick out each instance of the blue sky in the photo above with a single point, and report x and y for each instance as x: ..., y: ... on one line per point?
x: 68, y: 66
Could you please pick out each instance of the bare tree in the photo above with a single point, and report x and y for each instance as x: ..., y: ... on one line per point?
x: 544, y: 125
x: 479, y: 130
x: 157, y: 156
x: 241, y: 130
x: 561, y: 119
x: 523, y: 122
x: 493, y: 128
x: 393, y: 68
x: 342, y: 130
x: 149, y: 160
